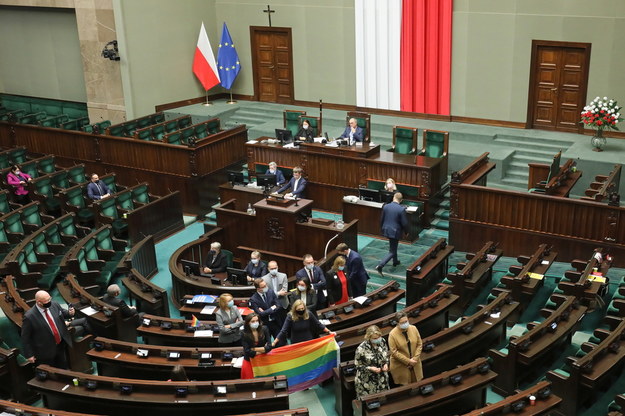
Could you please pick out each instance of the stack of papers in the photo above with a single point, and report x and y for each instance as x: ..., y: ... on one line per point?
x: 208, y: 310
x: 88, y: 311
x: 360, y: 299
x: 203, y: 333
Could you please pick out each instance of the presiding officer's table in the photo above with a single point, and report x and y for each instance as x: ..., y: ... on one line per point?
x: 333, y: 172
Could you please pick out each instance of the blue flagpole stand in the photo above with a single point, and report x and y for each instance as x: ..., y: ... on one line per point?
x: 231, y: 100
x: 207, y: 103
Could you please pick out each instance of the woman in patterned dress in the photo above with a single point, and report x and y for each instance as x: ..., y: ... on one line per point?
x: 371, y: 364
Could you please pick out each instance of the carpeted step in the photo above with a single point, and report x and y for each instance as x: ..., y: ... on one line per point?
x: 515, y: 182
x: 445, y: 204
x: 442, y: 214
x: 440, y: 224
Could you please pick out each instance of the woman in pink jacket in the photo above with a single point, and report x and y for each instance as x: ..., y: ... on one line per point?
x: 17, y: 179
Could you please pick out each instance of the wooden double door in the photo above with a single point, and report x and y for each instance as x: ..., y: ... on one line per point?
x: 272, y: 63
x: 558, y: 85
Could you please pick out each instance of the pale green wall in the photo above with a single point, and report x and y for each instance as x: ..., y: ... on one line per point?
x: 323, y: 44
x: 40, y: 53
x: 157, y: 40
x: 492, y: 49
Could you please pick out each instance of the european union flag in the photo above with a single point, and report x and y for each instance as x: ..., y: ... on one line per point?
x: 228, y: 63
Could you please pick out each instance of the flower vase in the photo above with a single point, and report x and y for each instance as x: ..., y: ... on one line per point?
x: 598, y: 141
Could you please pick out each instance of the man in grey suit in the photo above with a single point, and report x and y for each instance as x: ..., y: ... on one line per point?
x: 278, y: 282
x: 45, y: 337
x: 394, y: 221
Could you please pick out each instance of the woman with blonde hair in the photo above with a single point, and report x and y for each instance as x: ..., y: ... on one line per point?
x: 390, y: 185
x: 338, y: 285
x: 300, y: 325
x: 371, y: 364
x: 229, y: 320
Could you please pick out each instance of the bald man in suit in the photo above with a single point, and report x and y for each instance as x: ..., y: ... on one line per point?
x: 45, y: 337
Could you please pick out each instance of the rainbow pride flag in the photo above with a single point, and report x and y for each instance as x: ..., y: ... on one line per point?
x: 305, y: 364
x: 195, y: 322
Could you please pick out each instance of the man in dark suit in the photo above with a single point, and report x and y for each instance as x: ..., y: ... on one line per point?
x: 273, y: 170
x: 45, y: 337
x: 97, y: 189
x: 216, y: 261
x: 394, y: 221
x: 356, y: 273
x: 266, y: 305
x: 111, y: 297
x: 297, y: 185
x: 316, y: 276
x: 353, y: 132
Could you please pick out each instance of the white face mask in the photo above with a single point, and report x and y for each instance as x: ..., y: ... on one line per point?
x: 305, y: 126
x: 273, y: 272
x: 404, y: 325
x: 301, y: 288
x: 309, y: 266
x: 265, y: 289
x: 254, y: 325
x: 254, y: 262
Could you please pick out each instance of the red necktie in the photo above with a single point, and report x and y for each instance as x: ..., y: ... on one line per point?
x: 55, y: 332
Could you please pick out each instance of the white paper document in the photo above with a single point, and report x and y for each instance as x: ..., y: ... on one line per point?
x: 208, y: 310
x: 203, y: 333
x: 360, y: 299
x: 88, y: 311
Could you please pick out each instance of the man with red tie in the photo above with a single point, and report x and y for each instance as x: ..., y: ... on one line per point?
x: 45, y: 337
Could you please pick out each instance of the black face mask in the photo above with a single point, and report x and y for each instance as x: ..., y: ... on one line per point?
x: 213, y: 252
x: 300, y: 313
x: 47, y: 305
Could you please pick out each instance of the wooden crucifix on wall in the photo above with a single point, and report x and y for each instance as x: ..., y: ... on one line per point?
x: 269, y: 11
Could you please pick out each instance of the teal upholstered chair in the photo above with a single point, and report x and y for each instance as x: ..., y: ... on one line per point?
x: 74, y: 200
x: 46, y: 165
x: 292, y: 120
x: 435, y: 143
x: 363, y: 120
x: 174, y: 138
x: 404, y: 140
x: 158, y: 132
x: 201, y: 131
x: 187, y: 135
x: 171, y: 126
x: 145, y: 134
x: 184, y: 122
x: 141, y: 195
x: 116, y: 130
x: 213, y: 126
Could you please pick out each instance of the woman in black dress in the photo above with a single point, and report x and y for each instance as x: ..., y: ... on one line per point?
x: 256, y: 340
x: 300, y: 325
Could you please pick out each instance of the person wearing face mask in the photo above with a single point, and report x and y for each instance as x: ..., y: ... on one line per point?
x: 303, y: 291
x: 316, y: 277
x: 256, y: 340
x: 273, y: 170
x: 305, y: 132
x: 264, y: 303
x: 405, y: 345
x: 45, y: 337
x: 371, y: 363
x: 229, y: 320
x: 256, y: 267
x: 18, y: 180
x: 216, y: 261
x: 300, y: 325
x: 279, y: 284
x: 339, y: 287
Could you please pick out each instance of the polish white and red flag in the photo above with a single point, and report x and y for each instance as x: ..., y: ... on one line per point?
x: 204, y: 66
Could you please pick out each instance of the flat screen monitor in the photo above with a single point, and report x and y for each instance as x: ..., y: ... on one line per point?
x: 190, y: 267
x: 236, y: 177
x: 266, y: 180
x: 367, y: 194
x: 386, y: 196
x: 284, y: 135
x: 237, y: 276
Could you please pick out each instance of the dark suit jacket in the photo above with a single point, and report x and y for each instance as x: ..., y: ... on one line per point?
x: 356, y: 269
x: 301, y: 187
x: 280, y: 179
x: 219, y: 265
x: 256, y: 304
x: 307, y: 134
x: 94, y: 193
x: 335, y: 288
x: 311, y: 299
x: 358, y: 134
x: 37, y: 337
x: 394, y: 220
x: 256, y: 271
x: 318, y: 281
x: 126, y: 310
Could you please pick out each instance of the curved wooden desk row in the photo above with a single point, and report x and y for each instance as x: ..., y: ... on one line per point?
x: 473, y: 275
x: 105, y: 319
x: 176, y: 332
x: 520, y: 403
x: 458, y: 390
x: 141, y: 256
x: 582, y: 283
x: 469, y: 338
x: 430, y: 268
x: 538, y: 345
x: 14, y: 375
x: 593, y: 371
x: 123, y: 396
x: 429, y: 315
x: 150, y: 297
